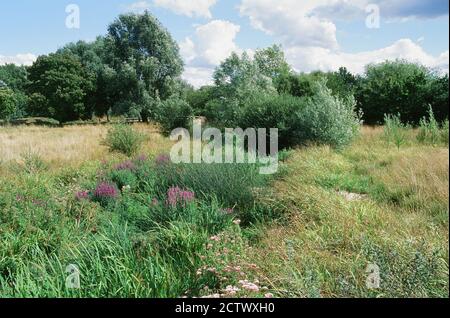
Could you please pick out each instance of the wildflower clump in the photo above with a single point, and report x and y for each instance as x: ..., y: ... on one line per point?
x: 177, y: 196
x: 105, y: 193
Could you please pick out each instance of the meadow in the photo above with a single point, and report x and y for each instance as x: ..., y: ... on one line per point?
x: 140, y: 226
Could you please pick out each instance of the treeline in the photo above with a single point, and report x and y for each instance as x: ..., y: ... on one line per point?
x: 135, y: 70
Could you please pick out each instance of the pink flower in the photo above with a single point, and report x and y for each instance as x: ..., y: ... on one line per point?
x: 176, y: 196
x: 127, y: 165
x: 106, y: 191
x: 162, y: 160
x: 268, y: 295
x: 155, y: 202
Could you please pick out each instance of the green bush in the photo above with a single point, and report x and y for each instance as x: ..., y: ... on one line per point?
x: 173, y: 113
x: 445, y: 132
x: 326, y: 119
x: 124, y: 139
x: 232, y: 184
x: 8, y: 103
x: 429, y: 130
x: 273, y: 111
x: 394, y: 130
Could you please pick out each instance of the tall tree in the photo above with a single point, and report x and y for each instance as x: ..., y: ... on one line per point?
x: 59, y: 87
x: 145, y: 58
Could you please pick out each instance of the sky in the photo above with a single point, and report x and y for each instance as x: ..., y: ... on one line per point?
x: 315, y: 34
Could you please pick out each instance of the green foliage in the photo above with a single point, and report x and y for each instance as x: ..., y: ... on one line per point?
x: 445, y: 132
x: 429, y: 130
x: 145, y: 69
x: 273, y: 111
x: 401, y: 88
x: 231, y: 184
x: 124, y: 139
x: 395, y: 131
x: 33, y: 162
x: 199, y: 98
x: 59, y: 86
x: 124, y: 178
x: 15, y: 78
x: 327, y: 119
x: 173, y: 113
x: 8, y: 104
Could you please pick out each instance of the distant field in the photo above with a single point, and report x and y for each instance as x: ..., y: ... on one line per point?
x: 71, y: 145
x: 310, y: 232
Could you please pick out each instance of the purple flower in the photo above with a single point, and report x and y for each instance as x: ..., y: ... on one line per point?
x: 176, y: 196
x: 141, y: 158
x: 162, y: 160
x: 106, y: 191
x: 155, y: 202
x: 127, y: 165
x: 82, y: 195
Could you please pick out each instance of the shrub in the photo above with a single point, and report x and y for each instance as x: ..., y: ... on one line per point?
x: 35, y: 121
x: 429, y: 131
x: 124, y: 178
x: 327, y: 119
x: 445, y: 132
x: 274, y: 111
x: 124, y: 139
x: 8, y: 103
x: 232, y: 184
x: 394, y: 130
x: 173, y: 113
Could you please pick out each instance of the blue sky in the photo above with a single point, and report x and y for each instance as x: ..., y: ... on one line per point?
x: 319, y: 34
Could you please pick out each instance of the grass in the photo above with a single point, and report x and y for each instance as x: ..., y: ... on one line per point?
x: 402, y: 224
x: 300, y: 235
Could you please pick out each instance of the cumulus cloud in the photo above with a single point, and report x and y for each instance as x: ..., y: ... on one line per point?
x: 190, y: 8
x: 307, y: 59
x: 308, y: 35
x: 207, y: 48
x: 290, y: 21
x: 19, y: 59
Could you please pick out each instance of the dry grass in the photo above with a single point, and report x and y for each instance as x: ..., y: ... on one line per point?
x: 68, y: 146
x: 328, y: 242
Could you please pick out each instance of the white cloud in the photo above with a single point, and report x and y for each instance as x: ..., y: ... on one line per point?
x: 138, y: 7
x: 207, y: 48
x: 190, y: 8
x: 19, y: 59
x: 307, y: 59
x: 291, y: 21
x: 198, y: 76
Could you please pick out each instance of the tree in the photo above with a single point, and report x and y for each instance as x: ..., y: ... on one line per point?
x: 342, y: 83
x: 146, y: 60
x: 8, y: 103
x: 59, y: 87
x: 394, y: 87
x: 272, y: 63
x: 16, y: 78
x: 238, y: 81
